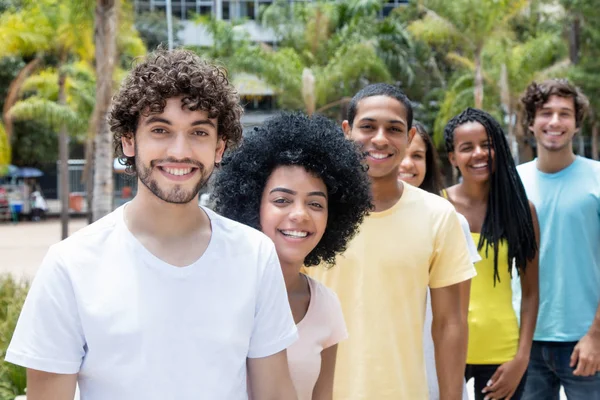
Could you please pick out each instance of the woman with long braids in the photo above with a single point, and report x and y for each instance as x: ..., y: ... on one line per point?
x: 420, y: 168
x: 504, y: 225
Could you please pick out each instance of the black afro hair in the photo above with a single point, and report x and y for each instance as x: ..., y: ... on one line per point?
x: 314, y: 143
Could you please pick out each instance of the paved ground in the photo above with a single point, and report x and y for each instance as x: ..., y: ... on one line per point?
x: 23, y: 245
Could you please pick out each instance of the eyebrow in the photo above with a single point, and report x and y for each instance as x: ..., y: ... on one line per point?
x: 562, y: 109
x: 292, y: 192
x: 391, y: 121
x: 154, y: 119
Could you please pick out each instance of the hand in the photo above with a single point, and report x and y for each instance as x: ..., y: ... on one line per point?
x: 506, y: 379
x: 586, y: 355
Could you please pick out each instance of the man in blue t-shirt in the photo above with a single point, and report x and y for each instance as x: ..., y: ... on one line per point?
x: 565, y: 190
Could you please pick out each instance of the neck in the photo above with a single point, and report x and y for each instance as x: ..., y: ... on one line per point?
x: 476, y: 192
x: 386, y: 192
x: 147, y: 214
x: 294, y: 281
x: 554, y: 161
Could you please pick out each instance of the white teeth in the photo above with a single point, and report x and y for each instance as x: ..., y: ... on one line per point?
x: 379, y: 156
x: 405, y: 175
x: 480, y: 165
x: 554, y: 133
x: 178, y: 171
x: 297, y: 234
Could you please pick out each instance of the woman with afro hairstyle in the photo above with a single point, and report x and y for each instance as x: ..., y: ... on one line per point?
x: 299, y: 181
x: 420, y: 168
x: 504, y: 224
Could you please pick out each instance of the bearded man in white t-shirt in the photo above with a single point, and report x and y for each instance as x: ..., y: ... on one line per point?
x: 161, y: 299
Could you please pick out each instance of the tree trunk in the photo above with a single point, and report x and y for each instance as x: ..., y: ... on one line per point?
x: 478, y: 79
x: 13, y: 95
x: 63, y: 150
x: 574, y: 39
x: 508, y: 111
x: 106, y: 52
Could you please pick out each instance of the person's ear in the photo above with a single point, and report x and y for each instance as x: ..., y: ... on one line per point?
x: 347, y: 128
x: 221, y: 145
x: 411, y: 134
x: 452, y: 159
x: 128, y: 143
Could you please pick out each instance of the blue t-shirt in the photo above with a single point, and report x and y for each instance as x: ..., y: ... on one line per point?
x: 568, y: 208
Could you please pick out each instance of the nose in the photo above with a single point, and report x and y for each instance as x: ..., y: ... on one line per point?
x: 406, y: 164
x: 299, y: 213
x: 179, y: 147
x: 480, y: 151
x: 379, y: 139
x: 554, y: 120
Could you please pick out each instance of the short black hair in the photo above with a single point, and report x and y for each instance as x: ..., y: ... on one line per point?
x: 314, y: 143
x: 380, y: 89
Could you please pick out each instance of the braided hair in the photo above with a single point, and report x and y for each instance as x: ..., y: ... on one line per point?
x: 508, y: 216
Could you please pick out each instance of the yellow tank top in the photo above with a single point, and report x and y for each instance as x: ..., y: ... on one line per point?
x: 493, y: 326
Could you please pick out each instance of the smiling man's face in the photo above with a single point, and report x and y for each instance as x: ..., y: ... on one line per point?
x: 555, y: 124
x: 381, y: 129
x: 175, y: 151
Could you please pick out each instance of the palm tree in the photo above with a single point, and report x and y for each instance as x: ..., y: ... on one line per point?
x: 115, y: 36
x: 106, y: 53
x: 325, y: 52
x: 63, y: 100
x: 464, y: 27
x: 63, y: 30
x: 19, y: 39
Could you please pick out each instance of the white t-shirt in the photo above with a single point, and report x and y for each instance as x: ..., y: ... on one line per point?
x: 323, y: 326
x: 428, y: 348
x: 135, y: 327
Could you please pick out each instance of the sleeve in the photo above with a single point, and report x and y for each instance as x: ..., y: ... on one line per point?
x: 274, y: 327
x: 475, y: 257
x: 450, y: 262
x: 49, y: 336
x: 339, y: 331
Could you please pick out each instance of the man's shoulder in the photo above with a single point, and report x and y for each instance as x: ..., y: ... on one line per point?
x: 589, y: 164
x: 424, y: 202
x: 93, y: 234
x: 526, y: 167
x: 237, y: 233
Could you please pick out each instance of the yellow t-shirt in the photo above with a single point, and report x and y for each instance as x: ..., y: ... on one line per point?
x: 381, y: 281
x: 493, y: 326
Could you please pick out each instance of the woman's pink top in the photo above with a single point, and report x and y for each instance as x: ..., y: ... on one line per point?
x: 323, y: 326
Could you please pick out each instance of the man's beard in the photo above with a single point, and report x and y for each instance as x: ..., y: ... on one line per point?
x: 177, y: 194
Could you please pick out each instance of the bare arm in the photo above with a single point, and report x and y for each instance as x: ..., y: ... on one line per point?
x: 270, y: 378
x: 449, y: 331
x: 530, y: 296
x: 324, y: 387
x: 48, y: 386
x: 586, y: 355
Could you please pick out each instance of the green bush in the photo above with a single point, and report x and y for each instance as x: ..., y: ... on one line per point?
x: 12, y: 296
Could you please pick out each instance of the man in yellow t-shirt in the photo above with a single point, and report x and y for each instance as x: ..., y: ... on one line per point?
x: 412, y: 240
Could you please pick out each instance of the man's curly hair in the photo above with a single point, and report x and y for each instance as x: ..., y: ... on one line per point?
x: 167, y: 74
x: 537, y: 94
x: 314, y: 143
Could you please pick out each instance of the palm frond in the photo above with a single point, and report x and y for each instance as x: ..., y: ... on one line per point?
x: 24, y: 33
x: 53, y: 115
